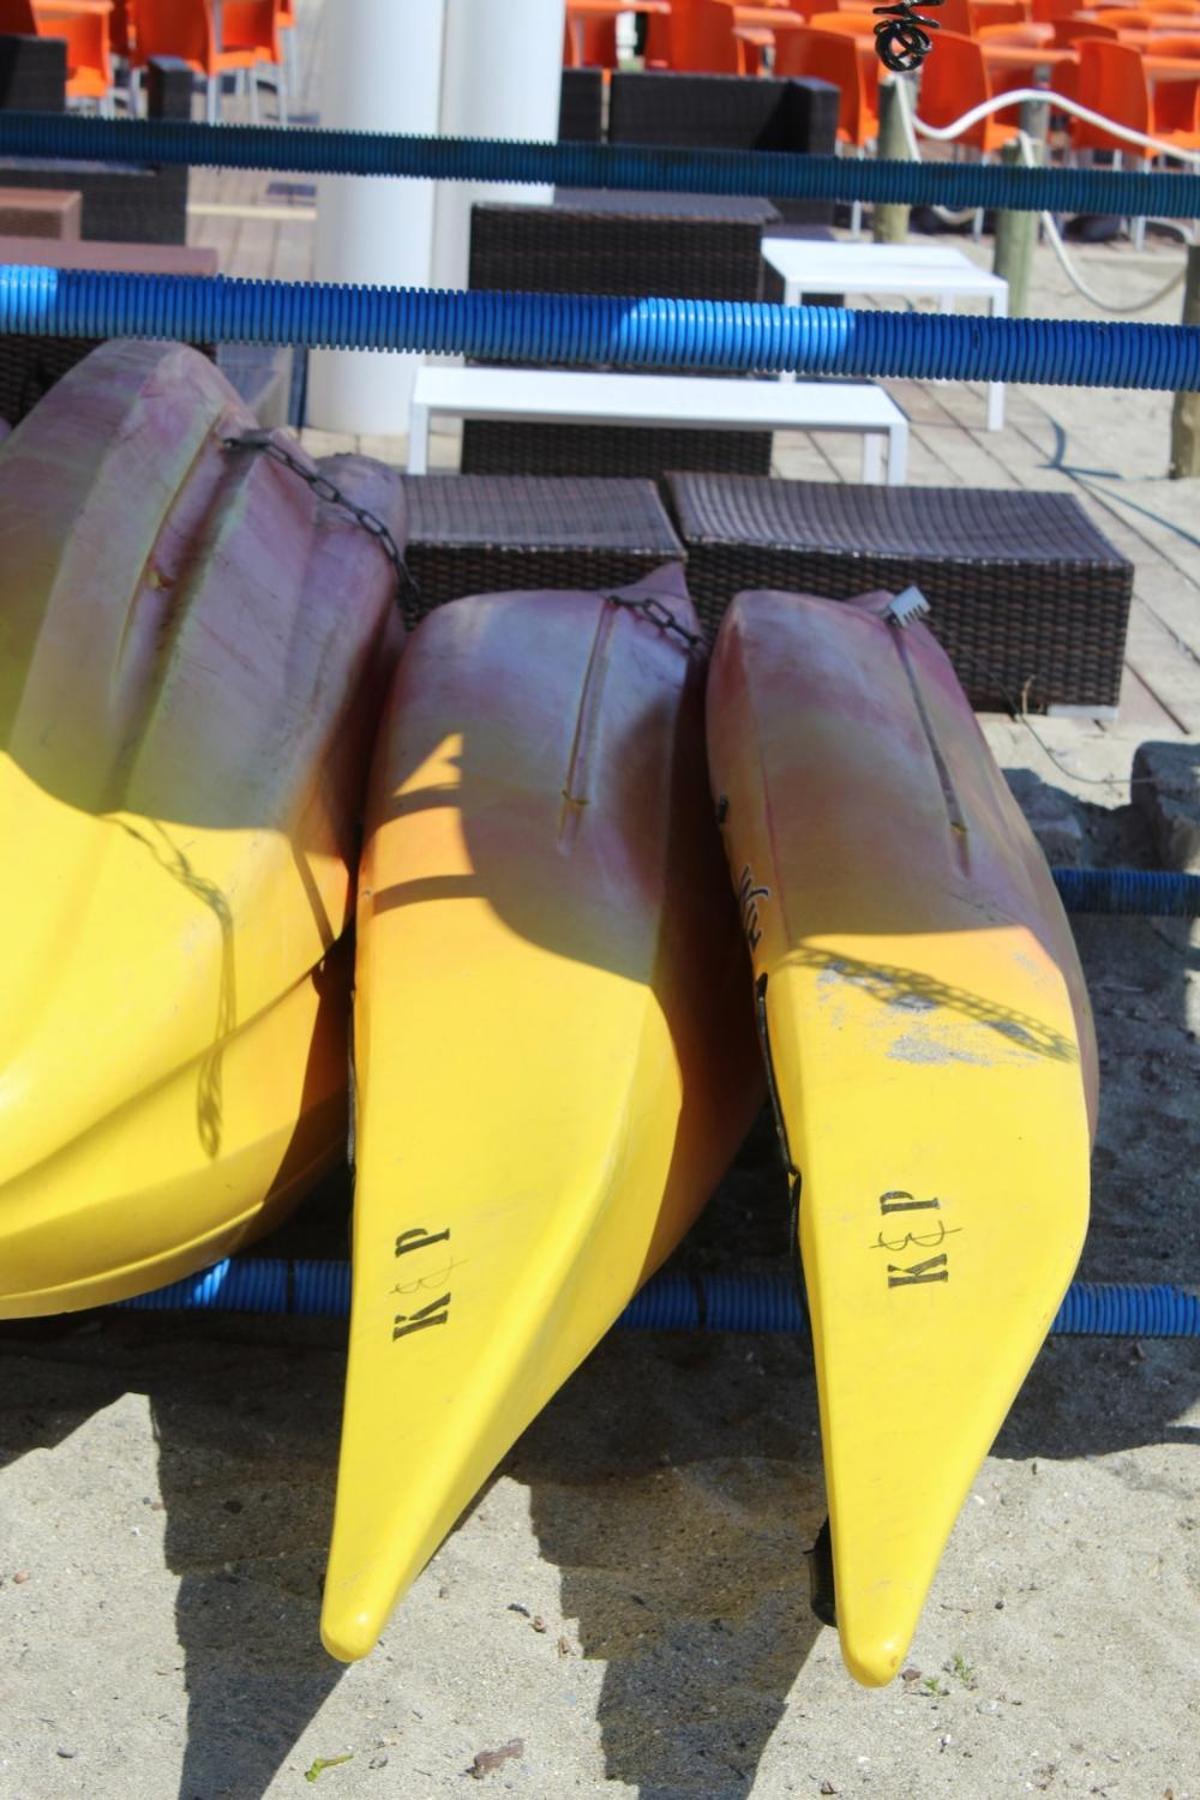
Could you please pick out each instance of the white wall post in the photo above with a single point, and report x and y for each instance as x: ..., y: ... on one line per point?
x: 381, y: 71
x: 502, y: 78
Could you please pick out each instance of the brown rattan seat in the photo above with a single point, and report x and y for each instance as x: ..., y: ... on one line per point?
x: 650, y: 245
x: 478, y: 534
x: 1030, y: 600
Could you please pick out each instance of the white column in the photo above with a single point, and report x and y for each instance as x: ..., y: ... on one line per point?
x: 381, y: 70
x: 502, y: 78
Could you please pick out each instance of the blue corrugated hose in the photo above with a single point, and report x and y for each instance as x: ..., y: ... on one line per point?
x: 753, y: 1303
x: 774, y: 174
x: 591, y: 329
x: 1156, y: 892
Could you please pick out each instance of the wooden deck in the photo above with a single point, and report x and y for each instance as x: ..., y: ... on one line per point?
x: 1109, y: 449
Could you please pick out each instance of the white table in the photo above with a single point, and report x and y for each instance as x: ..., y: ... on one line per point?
x: 551, y: 396
x: 811, y: 267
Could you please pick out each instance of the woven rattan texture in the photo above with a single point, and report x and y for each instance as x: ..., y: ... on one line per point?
x: 491, y: 447
x: 30, y: 366
x: 728, y: 112
x: 478, y: 534
x: 581, y: 108
x: 604, y: 248
x: 1029, y: 599
x: 120, y: 205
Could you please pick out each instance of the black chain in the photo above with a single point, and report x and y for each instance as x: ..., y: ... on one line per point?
x: 324, y: 489
x: 658, y: 614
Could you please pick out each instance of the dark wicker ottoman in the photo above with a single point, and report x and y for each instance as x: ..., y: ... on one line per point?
x: 581, y: 107
x: 480, y: 534
x: 685, y: 246
x: 729, y: 112
x: 1029, y: 599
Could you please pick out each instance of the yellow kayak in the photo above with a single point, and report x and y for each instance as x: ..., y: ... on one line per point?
x: 192, y: 652
x: 554, y: 1047
x: 930, y: 1049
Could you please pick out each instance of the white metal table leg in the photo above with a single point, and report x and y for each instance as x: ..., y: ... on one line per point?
x: 897, y: 473
x: 995, y: 393
x: 418, y: 439
x: 872, y: 458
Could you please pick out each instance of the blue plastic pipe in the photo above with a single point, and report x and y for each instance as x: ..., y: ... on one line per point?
x: 751, y: 1303
x: 591, y: 329
x: 1155, y: 892
x: 772, y: 174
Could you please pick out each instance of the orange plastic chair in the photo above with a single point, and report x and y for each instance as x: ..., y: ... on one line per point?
x: 954, y: 80
x: 1111, y: 81
x: 955, y: 15
x: 1048, y: 12
x: 254, y: 25
x: 86, y: 34
x: 1068, y: 32
x: 184, y: 29
x: 697, y: 38
x: 1120, y: 16
x: 995, y: 12
x: 848, y: 24
x: 1175, y: 105
x: 120, y: 27
x: 833, y: 57
x: 599, y: 44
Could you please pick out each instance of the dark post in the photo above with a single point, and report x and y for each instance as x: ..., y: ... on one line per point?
x: 1016, y: 232
x: 889, y: 224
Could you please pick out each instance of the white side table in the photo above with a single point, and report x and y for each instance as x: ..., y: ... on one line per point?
x: 811, y: 267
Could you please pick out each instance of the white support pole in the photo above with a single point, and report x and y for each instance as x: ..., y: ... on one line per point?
x: 381, y: 71
x: 502, y: 78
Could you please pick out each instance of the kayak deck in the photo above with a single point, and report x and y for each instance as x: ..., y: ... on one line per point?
x: 553, y: 1044
x: 931, y: 1058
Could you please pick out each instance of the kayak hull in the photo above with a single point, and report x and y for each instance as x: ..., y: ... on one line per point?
x: 193, y: 649
x: 926, y: 1026
x: 545, y: 1113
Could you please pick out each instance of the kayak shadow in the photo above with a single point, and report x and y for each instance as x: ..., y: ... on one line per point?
x: 675, y: 1483
x: 245, y: 1430
x: 1095, y: 1396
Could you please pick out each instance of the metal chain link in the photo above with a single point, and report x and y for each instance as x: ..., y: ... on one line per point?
x: 324, y: 489
x: 653, y: 609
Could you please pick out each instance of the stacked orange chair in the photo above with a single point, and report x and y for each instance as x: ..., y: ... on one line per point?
x: 833, y: 57
x: 954, y: 81
x: 1113, y: 81
x: 184, y: 29
x: 254, y: 25
x: 696, y: 39
x: 599, y: 44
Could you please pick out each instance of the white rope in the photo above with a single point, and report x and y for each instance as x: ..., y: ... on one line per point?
x: 1072, y: 273
x: 1043, y: 96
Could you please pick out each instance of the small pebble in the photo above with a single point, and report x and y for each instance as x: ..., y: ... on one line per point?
x: 378, y: 1762
x: 65, y: 1753
x: 487, y: 1760
x: 564, y: 1647
x: 538, y: 1623
x: 20, y: 1576
x: 827, y: 1787
x: 515, y: 1606
x: 910, y: 1674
